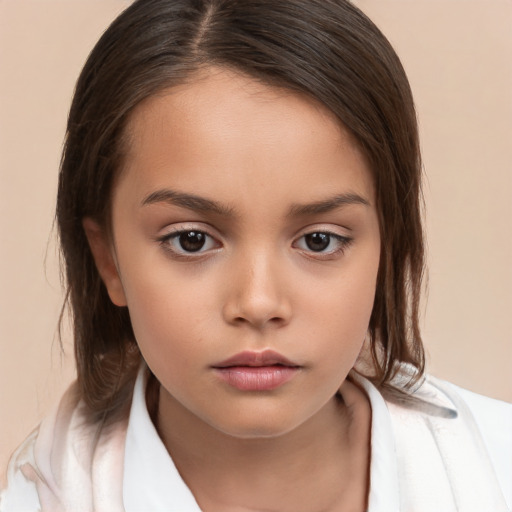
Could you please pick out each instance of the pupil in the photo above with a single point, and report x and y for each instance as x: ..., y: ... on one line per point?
x: 318, y: 241
x: 192, y: 241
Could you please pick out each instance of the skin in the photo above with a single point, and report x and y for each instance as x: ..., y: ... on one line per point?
x: 261, y: 154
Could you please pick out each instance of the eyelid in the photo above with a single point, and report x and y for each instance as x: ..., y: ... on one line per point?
x: 180, y: 227
x: 330, y: 229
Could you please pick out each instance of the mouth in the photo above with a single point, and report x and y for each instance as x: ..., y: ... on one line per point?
x: 256, y: 360
x: 256, y: 371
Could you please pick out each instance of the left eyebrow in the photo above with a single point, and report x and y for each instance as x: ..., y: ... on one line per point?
x: 327, y: 205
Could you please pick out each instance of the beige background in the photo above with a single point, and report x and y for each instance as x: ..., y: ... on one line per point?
x: 458, y: 57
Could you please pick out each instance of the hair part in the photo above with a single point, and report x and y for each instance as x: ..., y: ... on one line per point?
x: 326, y: 49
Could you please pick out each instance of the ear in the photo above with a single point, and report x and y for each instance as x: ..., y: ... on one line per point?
x: 104, y: 257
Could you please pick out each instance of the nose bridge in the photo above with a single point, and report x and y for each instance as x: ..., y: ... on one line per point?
x: 258, y: 294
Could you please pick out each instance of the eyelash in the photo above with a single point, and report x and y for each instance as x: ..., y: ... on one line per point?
x: 166, y: 241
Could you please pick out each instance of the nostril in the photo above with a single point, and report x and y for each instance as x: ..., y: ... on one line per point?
x: 275, y: 321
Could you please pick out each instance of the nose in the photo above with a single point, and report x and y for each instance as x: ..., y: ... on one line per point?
x: 257, y: 294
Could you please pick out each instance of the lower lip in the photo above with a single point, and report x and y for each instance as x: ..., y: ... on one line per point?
x: 257, y: 378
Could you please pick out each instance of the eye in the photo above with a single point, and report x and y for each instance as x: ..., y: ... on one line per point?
x: 323, y: 242
x: 188, y: 241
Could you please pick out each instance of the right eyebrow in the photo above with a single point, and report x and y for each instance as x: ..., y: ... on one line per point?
x: 188, y: 201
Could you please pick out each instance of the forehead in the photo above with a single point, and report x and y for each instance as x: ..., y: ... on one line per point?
x: 227, y: 129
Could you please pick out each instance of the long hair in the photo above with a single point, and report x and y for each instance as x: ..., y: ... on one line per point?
x: 326, y: 49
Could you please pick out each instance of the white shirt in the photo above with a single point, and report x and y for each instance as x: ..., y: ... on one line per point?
x: 426, y: 456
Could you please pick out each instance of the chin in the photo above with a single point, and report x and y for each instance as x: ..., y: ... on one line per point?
x: 257, y: 428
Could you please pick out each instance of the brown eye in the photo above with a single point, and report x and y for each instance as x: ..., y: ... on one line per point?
x: 192, y: 241
x: 324, y: 244
x: 317, y: 242
x: 188, y: 242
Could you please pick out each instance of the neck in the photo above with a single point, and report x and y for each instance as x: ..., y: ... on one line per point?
x: 316, y: 466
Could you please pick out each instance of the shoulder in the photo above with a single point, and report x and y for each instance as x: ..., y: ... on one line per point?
x: 468, y: 430
x: 21, y: 493
x: 53, y: 469
x: 437, y: 447
x: 493, y: 419
x: 34, y: 467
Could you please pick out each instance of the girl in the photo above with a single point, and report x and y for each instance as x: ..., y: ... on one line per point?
x: 239, y: 212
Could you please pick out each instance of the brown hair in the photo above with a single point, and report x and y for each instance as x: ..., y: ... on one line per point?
x: 327, y: 49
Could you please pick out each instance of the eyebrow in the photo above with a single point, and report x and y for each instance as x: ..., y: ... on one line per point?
x: 204, y: 205
x: 188, y: 201
x: 327, y: 205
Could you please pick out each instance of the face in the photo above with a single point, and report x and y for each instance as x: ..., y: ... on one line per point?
x: 246, y: 247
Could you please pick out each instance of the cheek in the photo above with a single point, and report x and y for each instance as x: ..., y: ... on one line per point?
x: 351, y: 290
x: 172, y: 342
x: 164, y: 312
x: 342, y: 306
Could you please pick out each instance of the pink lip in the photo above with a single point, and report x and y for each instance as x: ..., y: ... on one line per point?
x: 256, y: 371
x: 249, y: 358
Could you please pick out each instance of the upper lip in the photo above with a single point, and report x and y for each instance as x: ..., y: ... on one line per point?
x: 251, y: 358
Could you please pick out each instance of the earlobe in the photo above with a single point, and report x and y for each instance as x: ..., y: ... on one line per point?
x: 104, y: 257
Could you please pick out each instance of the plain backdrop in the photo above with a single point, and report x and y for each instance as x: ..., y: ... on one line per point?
x: 458, y: 57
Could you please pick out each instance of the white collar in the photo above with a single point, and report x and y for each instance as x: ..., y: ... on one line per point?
x: 151, y: 480
x: 384, y: 487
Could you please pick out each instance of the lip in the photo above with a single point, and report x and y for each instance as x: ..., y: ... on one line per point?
x: 256, y: 359
x: 256, y: 371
